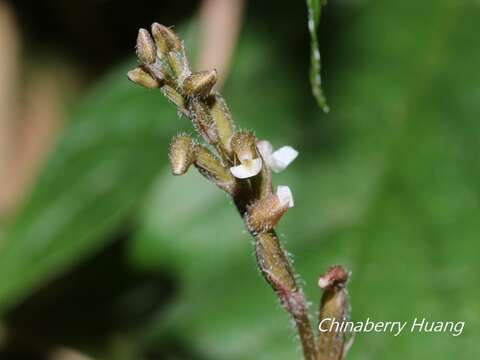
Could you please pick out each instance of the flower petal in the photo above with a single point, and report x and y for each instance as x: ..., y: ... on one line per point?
x: 247, y: 169
x: 281, y: 158
x: 265, y: 148
x: 285, y: 195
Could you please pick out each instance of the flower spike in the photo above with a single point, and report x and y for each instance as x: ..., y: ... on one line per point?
x: 239, y: 164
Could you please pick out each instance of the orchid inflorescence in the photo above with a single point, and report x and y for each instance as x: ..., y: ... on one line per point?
x: 234, y: 160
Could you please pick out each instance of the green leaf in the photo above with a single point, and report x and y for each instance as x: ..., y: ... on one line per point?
x: 314, y: 12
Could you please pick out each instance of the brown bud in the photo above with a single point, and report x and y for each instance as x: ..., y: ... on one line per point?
x: 146, y: 50
x: 181, y: 154
x: 333, y: 342
x: 143, y: 78
x: 265, y: 214
x: 243, y: 145
x: 335, y: 276
x: 212, y: 168
x: 200, y: 83
x: 223, y: 121
x: 165, y: 39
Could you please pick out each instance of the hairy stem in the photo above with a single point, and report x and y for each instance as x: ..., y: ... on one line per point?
x: 279, y: 273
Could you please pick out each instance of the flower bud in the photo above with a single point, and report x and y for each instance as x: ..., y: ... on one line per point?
x: 174, y: 96
x: 179, y: 65
x: 333, y: 343
x: 335, y: 276
x: 200, y: 83
x: 243, y: 145
x: 165, y: 39
x: 146, y: 50
x: 212, y: 168
x: 223, y: 121
x: 264, y: 214
x: 143, y: 78
x: 181, y: 154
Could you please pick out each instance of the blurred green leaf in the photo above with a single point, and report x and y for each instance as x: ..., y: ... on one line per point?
x: 98, y: 172
x: 314, y: 12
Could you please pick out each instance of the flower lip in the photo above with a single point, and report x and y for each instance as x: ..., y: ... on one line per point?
x: 247, y: 169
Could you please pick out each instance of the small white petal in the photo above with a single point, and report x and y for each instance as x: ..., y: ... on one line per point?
x: 282, y: 158
x: 265, y: 148
x: 323, y: 282
x: 285, y: 195
x: 247, y: 169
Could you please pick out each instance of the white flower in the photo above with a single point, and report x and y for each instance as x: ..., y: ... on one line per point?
x: 285, y: 196
x: 247, y: 168
x: 276, y: 160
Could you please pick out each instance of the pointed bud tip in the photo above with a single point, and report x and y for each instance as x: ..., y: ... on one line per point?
x: 165, y: 38
x: 146, y: 50
x: 141, y: 77
x: 181, y: 154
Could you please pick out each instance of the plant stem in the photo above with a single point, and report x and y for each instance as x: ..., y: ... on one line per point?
x: 279, y: 273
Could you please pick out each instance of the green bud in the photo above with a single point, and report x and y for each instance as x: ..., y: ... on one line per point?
x: 143, y: 78
x: 223, y: 121
x: 174, y: 96
x: 212, y: 168
x: 179, y: 66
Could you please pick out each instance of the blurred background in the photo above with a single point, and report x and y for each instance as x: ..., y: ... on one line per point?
x: 104, y: 255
